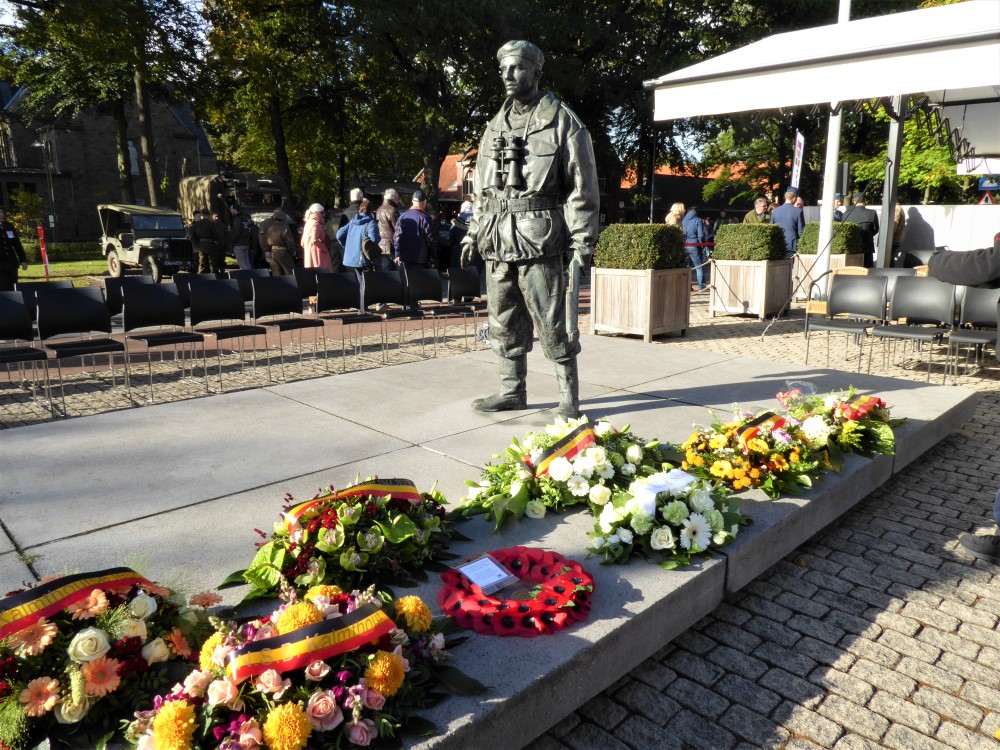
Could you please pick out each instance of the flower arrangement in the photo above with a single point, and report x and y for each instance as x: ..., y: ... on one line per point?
x: 570, y: 463
x: 765, y: 450
x: 373, y: 532
x: 842, y: 422
x: 558, y: 596
x: 671, y: 515
x: 77, y: 652
x: 327, y: 670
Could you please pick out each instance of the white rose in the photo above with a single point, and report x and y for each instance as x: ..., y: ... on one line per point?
x: 155, y: 651
x: 613, y: 539
x: 603, y: 428
x: 634, y: 454
x: 560, y: 470
x: 584, y: 467
x: 135, y: 629
x: 599, y: 494
x: 599, y: 542
x: 609, y: 516
x: 535, y: 509
x: 625, y: 535
x: 628, y: 469
x: 597, y: 455
x: 88, y: 644
x: 701, y: 501
x: 661, y: 538
x: 67, y: 712
x: 142, y: 606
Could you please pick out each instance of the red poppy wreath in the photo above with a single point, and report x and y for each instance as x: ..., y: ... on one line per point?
x: 555, y: 593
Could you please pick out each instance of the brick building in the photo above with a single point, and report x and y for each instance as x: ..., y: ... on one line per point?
x: 82, y: 161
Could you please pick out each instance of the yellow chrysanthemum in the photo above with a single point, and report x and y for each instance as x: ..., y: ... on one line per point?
x: 779, y: 462
x: 323, y: 590
x: 286, y: 728
x: 717, y: 441
x: 205, y: 663
x: 722, y: 469
x: 298, y: 616
x: 385, y: 673
x: 758, y: 445
x: 794, y: 457
x: 174, y: 726
x: 418, y: 615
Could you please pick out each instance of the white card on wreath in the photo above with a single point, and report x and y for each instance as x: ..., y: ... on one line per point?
x: 487, y: 573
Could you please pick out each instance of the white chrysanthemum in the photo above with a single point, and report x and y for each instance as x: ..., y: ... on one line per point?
x: 816, y: 430
x: 608, y: 518
x: 628, y: 469
x: 696, y: 532
x: 602, y: 429
x: 599, y: 494
x: 605, y: 470
x: 561, y: 469
x: 578, y: 486
x: 642, y: 523
x: 596, y: 454
x: 625, y: 535
x: 634, y: 454
x: 700, y: 501
x: 535, y: 509
x: 583, y: 466
x: 662, y: 538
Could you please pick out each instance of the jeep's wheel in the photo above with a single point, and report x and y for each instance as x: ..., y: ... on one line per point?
x: 151, y: 267
x: 115, y: 269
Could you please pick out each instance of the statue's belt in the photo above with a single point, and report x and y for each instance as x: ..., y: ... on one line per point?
x: 518, y: 205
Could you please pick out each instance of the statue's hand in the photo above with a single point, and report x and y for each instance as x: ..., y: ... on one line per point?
x: 469, y: 251
x: 578, y: 262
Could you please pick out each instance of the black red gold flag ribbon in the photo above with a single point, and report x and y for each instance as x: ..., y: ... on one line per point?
x: 752, y: 428
x: 24, y: 609
x: 568, y: 447
x: 300, y: 648
x: 398, y: 488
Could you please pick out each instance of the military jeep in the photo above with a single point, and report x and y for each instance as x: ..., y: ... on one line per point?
x: 152, y: 239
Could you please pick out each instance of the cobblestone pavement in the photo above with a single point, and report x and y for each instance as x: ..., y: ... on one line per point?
x: 878, y: 632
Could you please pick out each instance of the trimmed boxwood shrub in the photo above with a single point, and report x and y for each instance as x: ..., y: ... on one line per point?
x: 640, y: 247
x: 749, y: 242
x: 846, y: 239
x: 62, y: 251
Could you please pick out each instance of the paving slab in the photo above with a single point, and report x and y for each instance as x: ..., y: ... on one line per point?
x: 13, y: 573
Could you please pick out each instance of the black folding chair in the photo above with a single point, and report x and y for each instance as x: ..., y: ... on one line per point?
x: 16, y: 330
x: 424, y: 292
x: 338, y: 299
x: 220, y: 301
x: 30, y: 291
x: 861, y: 302
x: 277, y: 303
x: 386, y: 293
x: 977, y: 326
x: 113, y: 290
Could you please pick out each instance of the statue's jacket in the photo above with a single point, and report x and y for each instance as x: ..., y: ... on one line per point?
x: 560, y: 178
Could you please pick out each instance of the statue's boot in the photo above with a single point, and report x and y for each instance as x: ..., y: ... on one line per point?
x: 569, y: 389
x: 513, y: 392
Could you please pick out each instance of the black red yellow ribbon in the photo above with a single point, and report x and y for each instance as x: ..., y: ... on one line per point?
x: 24, y: 609
x: 568, y: 447
x: 398, y: 488
x: 752, y: 428
x: 300, y: 648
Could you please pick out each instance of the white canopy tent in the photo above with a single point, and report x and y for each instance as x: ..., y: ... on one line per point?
x: 950, y: 54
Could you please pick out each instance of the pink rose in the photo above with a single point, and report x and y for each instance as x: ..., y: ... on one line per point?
x: 361, y: 732
x: 250, y: 735
x: 220, y: 653
x: 323, y: 712
x: 225, y: 693
x: 373, y: 699
x: 271, y: 682
x: 146, y: 742
x: 265, y: 631
x: 317, y: 670
x: 197, y: 683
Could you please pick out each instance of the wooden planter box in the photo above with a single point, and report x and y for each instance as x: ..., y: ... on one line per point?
x: 646, y: 303
x: 804, y: 264
x: 758, y: 287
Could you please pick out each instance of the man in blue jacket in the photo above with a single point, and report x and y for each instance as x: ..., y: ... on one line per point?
x: 413, y: 243
x: 695, y: 243
x: 791, y: 221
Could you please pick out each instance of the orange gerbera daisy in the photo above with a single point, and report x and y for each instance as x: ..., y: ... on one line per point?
x: 205, y: 599
x: 40, y: 696
x: 153, y: 590
x: 33, y: 640
x: 100, y: 676
x: 90, y: 606
x: 178, y: 643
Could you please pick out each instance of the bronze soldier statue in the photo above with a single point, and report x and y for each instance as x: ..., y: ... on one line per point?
x: 536, y: 220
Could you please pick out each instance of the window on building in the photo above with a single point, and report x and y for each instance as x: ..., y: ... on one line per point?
x: 468, y: 182
x: 602, y: 185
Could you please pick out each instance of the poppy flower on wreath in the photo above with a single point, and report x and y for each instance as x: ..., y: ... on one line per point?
x: 561, y: 595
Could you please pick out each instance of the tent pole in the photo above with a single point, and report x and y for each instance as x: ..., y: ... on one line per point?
x: 890, y: 191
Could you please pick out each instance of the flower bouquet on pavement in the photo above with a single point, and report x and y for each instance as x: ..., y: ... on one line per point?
x: 765, y: 450
x: 669, y: 516
x: 79, y: 651
x: 842, y: 422
x: 329, y: 670
x: 568, y: 464
x: 379, y: 531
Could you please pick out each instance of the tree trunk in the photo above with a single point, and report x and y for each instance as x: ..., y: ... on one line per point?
x: 121, y: 145
x: 436, y: 148
x: 146, y: 134
x: 278, y: 132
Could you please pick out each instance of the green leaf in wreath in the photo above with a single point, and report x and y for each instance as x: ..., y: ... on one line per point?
x: 457, y: 681
x: 835, y: 456
x: 233, y: 579
x: 402, y: 527
x: 263, y: 578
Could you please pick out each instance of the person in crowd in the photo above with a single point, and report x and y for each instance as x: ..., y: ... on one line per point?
x: 353, y: 234
x: 204, y: 240
x: 413, y: 243
x: 12, y: 254
x: 675, y: 215
x: 221, y: 234
x: 357, y: 195
x: 791, y: 220
x: 280, y: 244
x: 460, y: 225
x: 721, y: 220
x: 838, y: 207
x: 242, y: 237
x: 985, y: 547
x: 760, y: 213
x: 695, y: 241
x: 315, y: 253
x: 387, y: 216
x: 799, y: 202
x: 867, y: 219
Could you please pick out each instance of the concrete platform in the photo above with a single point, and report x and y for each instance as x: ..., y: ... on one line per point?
x: 176, y: 490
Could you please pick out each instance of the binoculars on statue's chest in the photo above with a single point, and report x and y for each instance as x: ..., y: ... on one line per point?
x: 508, y: 154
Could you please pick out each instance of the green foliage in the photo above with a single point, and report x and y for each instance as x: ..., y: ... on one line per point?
x: 63, y: 251
x: 27, y: 214
x: 846, y: 239
x: 749, y: 242
x: 640, y: 246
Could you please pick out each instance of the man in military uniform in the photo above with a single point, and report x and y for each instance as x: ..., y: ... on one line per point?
x: 537, y: 215
x: 203, y: 238
x: 11, y: 254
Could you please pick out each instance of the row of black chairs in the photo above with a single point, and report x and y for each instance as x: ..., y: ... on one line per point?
x: 917, y: 310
